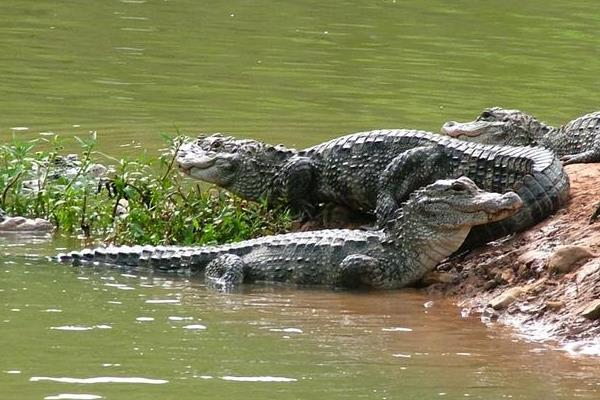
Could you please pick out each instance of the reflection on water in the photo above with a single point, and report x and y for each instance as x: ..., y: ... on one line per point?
x: 292, y: 72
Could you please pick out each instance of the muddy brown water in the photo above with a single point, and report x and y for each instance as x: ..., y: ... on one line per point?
x: 296, y: 73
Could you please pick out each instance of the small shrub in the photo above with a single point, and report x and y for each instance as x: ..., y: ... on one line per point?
x: 143, y: 201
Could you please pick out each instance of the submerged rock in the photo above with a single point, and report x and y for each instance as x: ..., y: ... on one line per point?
x: 21, y: 224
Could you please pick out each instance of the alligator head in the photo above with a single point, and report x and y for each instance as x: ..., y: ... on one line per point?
x: 242, y: 166
x: 440, y: 215
x: 460, y: 203
x: 497, y: 125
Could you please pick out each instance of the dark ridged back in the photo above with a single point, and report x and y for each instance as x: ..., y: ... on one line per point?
x: 195, y: 258
x: 534, y: 173
x: 577, y: 136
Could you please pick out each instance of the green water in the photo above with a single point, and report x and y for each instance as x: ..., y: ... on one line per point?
x: 296, y: 72
x: 291, y: 72
x: 59, y: 322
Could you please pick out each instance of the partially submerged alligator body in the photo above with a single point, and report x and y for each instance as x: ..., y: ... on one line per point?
x: 375, y: 171
x: 576, y: 142
x: 431, y: 225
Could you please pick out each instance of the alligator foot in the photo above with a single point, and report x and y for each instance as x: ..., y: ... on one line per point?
x: 225, y: 272
x: 356, y: 269
x: 412, y: 169
x: 590, y: 156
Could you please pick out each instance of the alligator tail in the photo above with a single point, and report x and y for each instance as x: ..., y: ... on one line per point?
x: 158, y: 257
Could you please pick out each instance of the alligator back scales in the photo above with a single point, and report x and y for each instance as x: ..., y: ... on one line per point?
x: 534, y: 173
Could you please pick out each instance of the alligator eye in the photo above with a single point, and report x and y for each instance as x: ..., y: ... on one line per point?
x: 486, y: 115
x: 458, y: 186
x: 217, y: 144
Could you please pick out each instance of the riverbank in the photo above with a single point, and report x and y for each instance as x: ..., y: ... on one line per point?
x: 546, y: 281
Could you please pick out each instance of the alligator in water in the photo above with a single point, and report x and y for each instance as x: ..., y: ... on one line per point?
x: 375, y: 171
x: 576, y: 142
x: 430, y: 226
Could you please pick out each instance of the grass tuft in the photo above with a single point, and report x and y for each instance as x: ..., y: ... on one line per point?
x: 140, y: 201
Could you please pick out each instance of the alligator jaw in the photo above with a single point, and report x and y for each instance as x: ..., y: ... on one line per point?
x: 204, y: 167
x: 501, y: 214
x: 469, y: 129
x: 499, y: 207
x: 189, y: 165
x: 489, y: 207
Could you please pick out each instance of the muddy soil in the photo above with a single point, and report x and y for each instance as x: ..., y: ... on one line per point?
x: 545, y: 281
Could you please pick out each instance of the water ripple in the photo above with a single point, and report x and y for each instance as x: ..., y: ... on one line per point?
x: 258, y: 379
x: 163, y: 301
x: 195, y: 326
x: 73, y: 396
x: 396, y: 329
x: 286, y: 330
x: 79, y: 327
x: 100, y: 379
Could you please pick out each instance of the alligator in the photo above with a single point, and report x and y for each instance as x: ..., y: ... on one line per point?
x: 375, y: 171
x: 576, y: 142
x: 430, y: 226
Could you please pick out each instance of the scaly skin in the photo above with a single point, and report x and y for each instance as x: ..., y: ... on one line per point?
x: 431, y: 225
x: 375, y: 171
x: 576, y: 142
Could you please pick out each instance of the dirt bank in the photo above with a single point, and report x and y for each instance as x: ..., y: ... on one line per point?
x: 546, y: 281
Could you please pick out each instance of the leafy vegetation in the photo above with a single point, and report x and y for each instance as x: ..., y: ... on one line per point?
x: 141, y: 201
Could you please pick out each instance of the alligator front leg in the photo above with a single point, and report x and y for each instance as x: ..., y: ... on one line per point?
x: 406, y: 173
x: 225, y: 271
x: 297, y: 180
x: 356, y: 270
x: 590, y: 156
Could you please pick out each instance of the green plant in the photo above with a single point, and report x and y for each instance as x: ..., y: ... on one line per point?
x: 140, y: 200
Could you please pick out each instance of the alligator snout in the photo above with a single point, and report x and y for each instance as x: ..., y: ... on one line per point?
x: 511, y: 201
x: 449, y: 128
x: 188, y: 160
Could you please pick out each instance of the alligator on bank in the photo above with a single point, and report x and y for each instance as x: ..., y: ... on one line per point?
x: 375, y: 171
x: 576, y: 142
x: 430, y: 226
